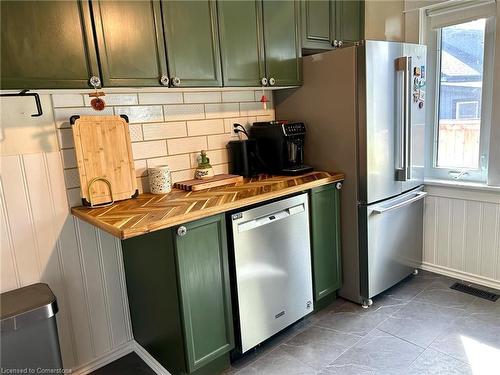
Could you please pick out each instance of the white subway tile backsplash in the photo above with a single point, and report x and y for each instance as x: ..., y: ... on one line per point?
x: 238, y: 96
x: 74, y: 198
x: 215, y: 156
x: 151, y: 149
x: 69, y: 158
x: 164, y: 130
x: 141, y: 113
x: 143, y: 185
x: 65, y: 137
x: 72, y: 178
x: 222, y: 110
x: 221, y: 169
x: 135, y: 132
x: 184, y: 112
x: 182, y: 175
x: 202, y: 97
x: 253, y: 109
x: 175, y: 162
x: 245, y: 121
x: 205, y: 127
x: 62, y: 115
x: 160, y: 98
x: 140, y: 167
x: 67, y: 100
x: 115, y: 99
x: 268, y: 94
x: 186, y: 145
x: 220, y: 141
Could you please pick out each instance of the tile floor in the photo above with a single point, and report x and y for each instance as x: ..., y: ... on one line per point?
x: 419, y: 327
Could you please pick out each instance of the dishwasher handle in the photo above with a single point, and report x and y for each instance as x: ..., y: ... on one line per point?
x: 270, y: 218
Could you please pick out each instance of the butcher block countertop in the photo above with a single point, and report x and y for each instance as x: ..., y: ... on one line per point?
x: 150, y: 212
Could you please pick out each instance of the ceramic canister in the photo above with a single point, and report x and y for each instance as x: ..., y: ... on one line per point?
x: 159, y: 179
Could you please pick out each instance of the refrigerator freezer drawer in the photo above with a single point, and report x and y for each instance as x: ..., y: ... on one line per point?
x: 394, y: 241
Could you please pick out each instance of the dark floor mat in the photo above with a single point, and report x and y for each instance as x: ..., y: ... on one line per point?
x: 131, y: 364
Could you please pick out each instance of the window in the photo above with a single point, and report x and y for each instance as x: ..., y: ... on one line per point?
x: 461, y: 131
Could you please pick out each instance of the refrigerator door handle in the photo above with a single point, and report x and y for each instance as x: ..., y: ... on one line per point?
x: 403, y: 173
x: 381, y: 209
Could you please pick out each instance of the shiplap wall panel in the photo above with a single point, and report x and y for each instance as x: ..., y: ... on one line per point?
x: 462, y: 233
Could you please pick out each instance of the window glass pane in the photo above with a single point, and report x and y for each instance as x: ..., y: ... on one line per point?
x: 460, y: 88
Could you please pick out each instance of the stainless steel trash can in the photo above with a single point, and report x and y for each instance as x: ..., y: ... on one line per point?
x: 28, y: 331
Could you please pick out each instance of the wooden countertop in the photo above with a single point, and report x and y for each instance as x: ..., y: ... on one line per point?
x: 150, y: 212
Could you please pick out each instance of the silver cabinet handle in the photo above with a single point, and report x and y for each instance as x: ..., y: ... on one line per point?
x: 263, y: 81
x: 95, y: 81
x: 335, y: 43
x: 176, y: 81
x: 181, y: 231
x: 338, y: 185
x: 404, y: 172
x: 380, y: 209
x: 164, y: 80
x: 340, y: 43
x: 272, y: 81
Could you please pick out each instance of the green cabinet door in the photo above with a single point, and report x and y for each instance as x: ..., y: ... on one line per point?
x: 349, y: 20
x: 46, y: 44
x: 282, y: 42
x: 325, y: 240
x: 204, y: 291
x: 318, y: 24
x: 192, y: 42
x: 241, y: 42
x: 130, y: 40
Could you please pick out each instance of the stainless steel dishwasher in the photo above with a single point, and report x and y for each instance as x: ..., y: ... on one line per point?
x: 273, y: 268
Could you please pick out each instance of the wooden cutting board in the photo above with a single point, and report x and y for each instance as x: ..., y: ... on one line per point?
x: 215, y: 181
x: 103, y: 150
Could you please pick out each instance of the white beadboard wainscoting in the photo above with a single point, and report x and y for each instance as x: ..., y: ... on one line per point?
x: 462, y: 233
x: 42, y: 242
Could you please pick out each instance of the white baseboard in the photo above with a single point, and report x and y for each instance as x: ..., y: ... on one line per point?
x: 476, y: 279
x: 148, y: 358
x: 109, y: 357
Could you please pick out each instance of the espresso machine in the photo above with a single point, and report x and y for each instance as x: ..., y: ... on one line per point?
x: 281, y: 146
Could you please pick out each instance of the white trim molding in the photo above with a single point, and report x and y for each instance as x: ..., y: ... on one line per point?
x: 105, y: 359
x: 465, y: 276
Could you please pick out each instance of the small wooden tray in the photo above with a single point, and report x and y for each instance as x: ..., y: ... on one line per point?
x: 217, y: 180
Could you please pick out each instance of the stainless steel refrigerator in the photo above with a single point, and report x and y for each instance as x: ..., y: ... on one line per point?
x: 364, y: 109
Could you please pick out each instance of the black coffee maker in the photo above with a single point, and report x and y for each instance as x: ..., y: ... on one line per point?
x: 281, y: 146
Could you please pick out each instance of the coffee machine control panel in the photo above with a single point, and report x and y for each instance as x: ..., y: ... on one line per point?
x: 294, y: 128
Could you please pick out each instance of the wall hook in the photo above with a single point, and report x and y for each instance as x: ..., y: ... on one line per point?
x: 37, y: 100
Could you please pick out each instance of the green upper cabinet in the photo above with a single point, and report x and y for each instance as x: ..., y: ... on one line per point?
x: 204, y: 290
x: 192, y: 43
x: 241, y: 42
x: 325, y: 240
x: 349, y: 20
x: 130, y: 41
x: 282, y: 42
x: 46, y: 44
x: 318, y: 24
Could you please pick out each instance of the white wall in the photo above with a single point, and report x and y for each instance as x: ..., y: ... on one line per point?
x: 384, y: 20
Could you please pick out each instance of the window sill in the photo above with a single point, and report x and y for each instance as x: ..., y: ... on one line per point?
x: 462, y: 185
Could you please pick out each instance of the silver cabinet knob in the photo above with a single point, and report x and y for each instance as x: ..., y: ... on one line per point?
x: 176, y: 81
x: 338, y: 185
x: 335, y: 43
x: 272, y: 81
x: 95, y: 81
x: 181, y: 231
x: 340, y: 43
x: 263, y: 81
x: 164, y: 80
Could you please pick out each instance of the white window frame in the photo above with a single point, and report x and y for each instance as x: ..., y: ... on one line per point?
x: 457, y: 110
x: 433, y: 171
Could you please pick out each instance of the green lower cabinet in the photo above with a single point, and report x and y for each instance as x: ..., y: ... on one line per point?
x: 282, y: 42
x: 325, y: 240
x: 46, y: 45
x: 179, y: 295
x: 131, y: 52
x: 192, y: 41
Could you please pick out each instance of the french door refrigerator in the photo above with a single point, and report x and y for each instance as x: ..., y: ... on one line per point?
x: 365, y: 115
